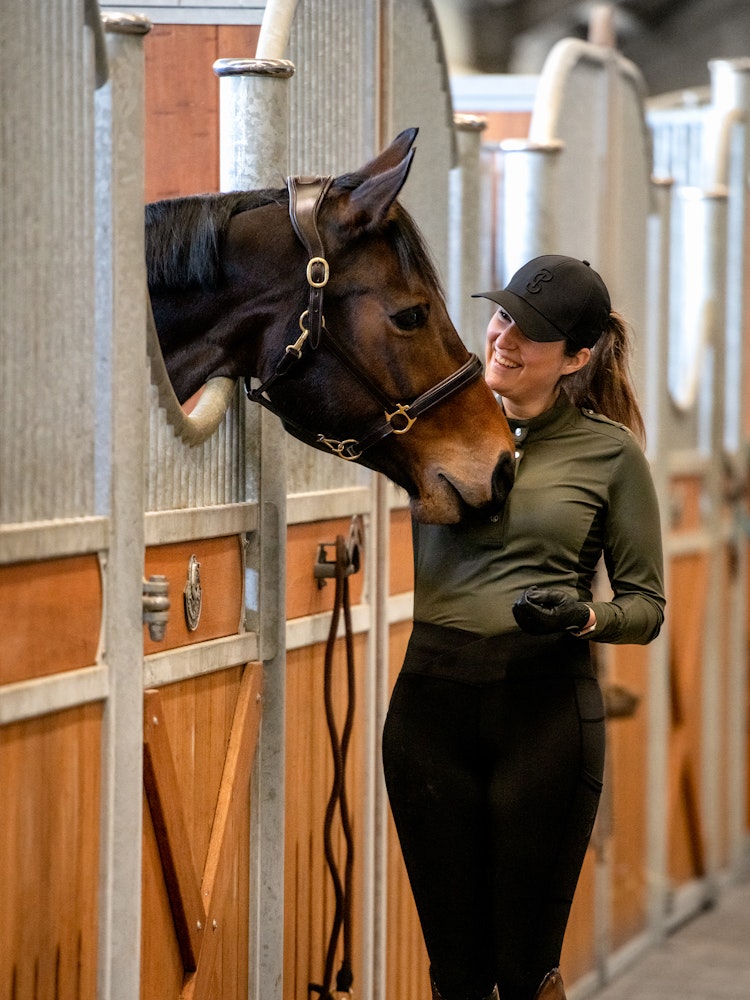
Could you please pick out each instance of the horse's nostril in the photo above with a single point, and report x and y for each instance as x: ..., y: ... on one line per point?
x: 502, y: 478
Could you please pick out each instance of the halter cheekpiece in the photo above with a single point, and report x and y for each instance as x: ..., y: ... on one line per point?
x: 306, y: 195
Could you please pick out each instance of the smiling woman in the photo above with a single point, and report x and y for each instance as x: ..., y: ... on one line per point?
x: 562, y: 334
x: 525, y: 372
x: 494, y: 742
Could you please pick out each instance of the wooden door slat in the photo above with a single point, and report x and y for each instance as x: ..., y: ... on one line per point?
x: 243, y: 740
x: 173, y: 840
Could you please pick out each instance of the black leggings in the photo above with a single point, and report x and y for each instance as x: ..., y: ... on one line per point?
x: 494, y: 754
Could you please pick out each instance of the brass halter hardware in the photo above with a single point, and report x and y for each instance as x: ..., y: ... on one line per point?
x: 306, y: 195
x: 400, y: 411
x: 314, y: 262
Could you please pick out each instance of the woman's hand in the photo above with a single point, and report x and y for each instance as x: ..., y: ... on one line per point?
x: 544, y: 611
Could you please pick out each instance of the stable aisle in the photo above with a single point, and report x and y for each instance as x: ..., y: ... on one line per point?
x: 708, y: 958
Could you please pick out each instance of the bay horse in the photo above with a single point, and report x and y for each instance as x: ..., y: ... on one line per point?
x: 341, y: 319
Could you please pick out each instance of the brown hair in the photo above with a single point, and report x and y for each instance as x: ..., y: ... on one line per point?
x: 605, y: 384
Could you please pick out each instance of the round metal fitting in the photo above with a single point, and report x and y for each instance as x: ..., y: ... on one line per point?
x: 282, y: 68
x: 126, y: 24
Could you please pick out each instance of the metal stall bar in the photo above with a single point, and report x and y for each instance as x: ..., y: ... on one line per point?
x: 46, y: 324
x: 122, y: 287
x: 730, y: 80
x: 469, y: 267
x: 334, y: 101
x: 254, y: 114
x: 656, y: 398
x: 704, y: 214
x: 530, y: 180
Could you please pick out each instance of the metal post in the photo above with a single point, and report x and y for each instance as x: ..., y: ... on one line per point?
x: 122, y: 270
x: 730, y: 80
x: 713, y: 715
x: 530, y: 196
x: 254, y: 153
x: 469, y: 270
x: 656, y: 410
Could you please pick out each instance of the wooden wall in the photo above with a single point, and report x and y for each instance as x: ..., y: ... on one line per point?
x: 49, y: 854
x: 52, y: 612
x: 182, y: 104
x: 50, y: 772
x: 309, y: 901
x: 196, y: 835
x: 407, y: 964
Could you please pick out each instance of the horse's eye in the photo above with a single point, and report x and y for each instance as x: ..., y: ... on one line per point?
x: 411, y: 318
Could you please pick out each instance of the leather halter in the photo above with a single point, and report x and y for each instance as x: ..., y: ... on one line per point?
x: 306, y: 195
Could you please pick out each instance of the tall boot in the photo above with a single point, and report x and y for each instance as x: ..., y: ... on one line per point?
x: 436, y: 995
x: 552, y: 987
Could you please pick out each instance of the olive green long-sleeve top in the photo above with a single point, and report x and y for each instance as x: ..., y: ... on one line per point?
x: 583, y: 489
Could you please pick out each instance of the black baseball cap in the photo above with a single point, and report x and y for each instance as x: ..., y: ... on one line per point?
x: 555, y: 297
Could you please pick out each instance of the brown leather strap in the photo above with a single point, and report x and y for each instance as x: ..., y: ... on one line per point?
x: 306, y: 195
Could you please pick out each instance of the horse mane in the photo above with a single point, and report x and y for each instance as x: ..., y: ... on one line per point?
x: 183, y: 235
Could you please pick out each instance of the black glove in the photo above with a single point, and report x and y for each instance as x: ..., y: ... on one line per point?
x: 543, y: 611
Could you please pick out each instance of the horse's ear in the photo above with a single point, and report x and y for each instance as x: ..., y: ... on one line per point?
x: 392, y: 155
x: 368, y: 203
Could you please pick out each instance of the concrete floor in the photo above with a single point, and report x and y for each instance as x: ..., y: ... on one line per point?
x: 708, y: 958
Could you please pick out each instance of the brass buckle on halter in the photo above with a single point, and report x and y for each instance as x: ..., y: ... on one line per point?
x: 400, y: 411
x: 337, y: 447
x: 310, y: 280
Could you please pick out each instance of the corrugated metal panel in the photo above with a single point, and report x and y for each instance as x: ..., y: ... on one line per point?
x: 47, y: 268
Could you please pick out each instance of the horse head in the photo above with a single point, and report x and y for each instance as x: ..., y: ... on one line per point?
x: 326, y: 295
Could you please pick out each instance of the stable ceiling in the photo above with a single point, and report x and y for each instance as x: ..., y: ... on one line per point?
x: 671, y: 41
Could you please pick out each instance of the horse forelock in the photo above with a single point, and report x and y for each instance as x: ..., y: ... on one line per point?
x: 184, y: 235
x: 412, y: 250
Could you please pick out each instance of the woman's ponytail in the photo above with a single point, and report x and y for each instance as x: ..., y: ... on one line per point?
x: 605, y: 384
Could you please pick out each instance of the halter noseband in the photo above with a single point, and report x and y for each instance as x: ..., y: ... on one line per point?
x: 306, y: 195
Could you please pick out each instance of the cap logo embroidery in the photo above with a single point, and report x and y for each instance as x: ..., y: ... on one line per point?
x: 535, y: 285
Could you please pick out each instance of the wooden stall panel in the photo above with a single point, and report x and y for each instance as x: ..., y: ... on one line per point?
x: 408, y: 967
x: 309, y: 901
x: 725, y: 737
x: 303, y: 595
x: 49, y: 855
x: 747, y: 713
x: 505, y: 125
x: 579, y: 947
x: 182, y: 104
x: 687, y: 603
x: 625, y: 799
x: 52, y: 614
x: 199, y: 742
x: 222, y: 582
x: 401, y: 555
